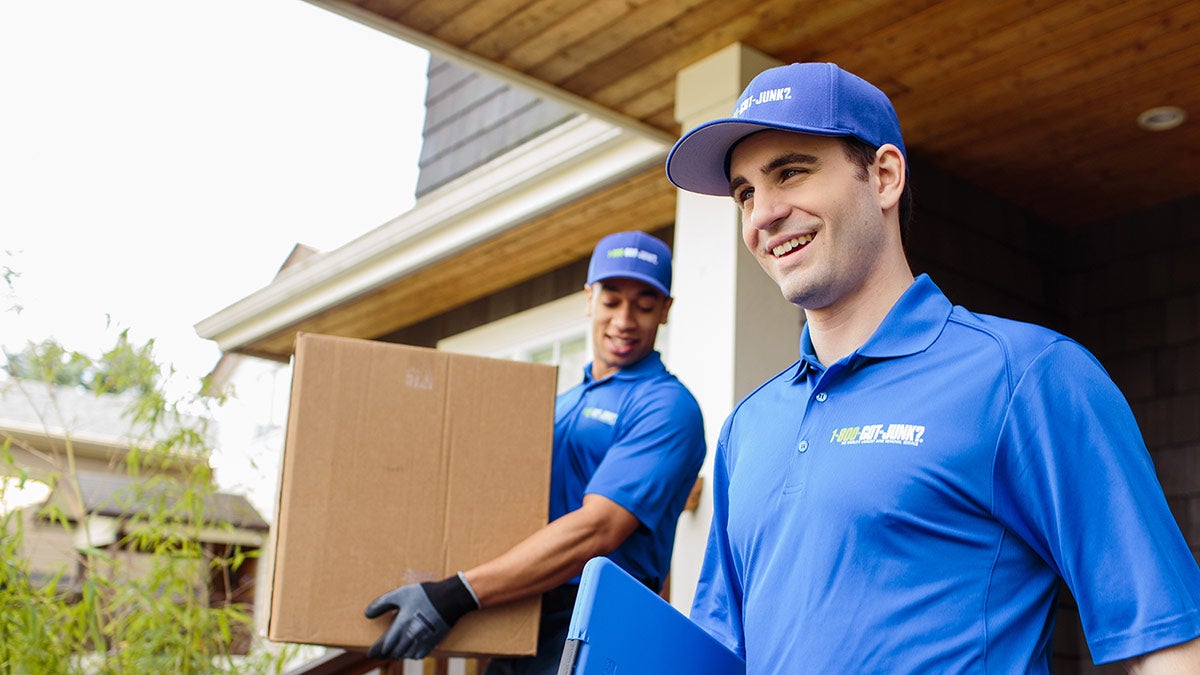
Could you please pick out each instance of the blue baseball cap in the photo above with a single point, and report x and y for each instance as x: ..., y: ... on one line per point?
x: 809, y: 98
x: 632, y: 255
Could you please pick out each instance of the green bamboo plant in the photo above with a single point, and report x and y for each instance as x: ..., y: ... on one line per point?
x: 141, y: 604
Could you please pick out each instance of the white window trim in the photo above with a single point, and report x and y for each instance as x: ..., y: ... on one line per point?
x: 523, y: 332
x: 516, y: 337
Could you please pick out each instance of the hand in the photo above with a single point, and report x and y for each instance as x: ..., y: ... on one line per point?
x: 424, y: 614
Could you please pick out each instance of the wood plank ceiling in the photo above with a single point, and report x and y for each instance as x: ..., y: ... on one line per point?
x: 1033, y: 100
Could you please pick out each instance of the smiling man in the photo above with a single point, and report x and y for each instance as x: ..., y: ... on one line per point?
x: 628, y: 444
x: 907, y: 496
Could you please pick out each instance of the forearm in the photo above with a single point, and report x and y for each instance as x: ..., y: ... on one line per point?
x: 1178, y: 659
x: 553, y: 554
x: 543, y: 561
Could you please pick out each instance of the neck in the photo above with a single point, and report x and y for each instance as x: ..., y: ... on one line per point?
x: 601, y: 370
x: 839, y: 329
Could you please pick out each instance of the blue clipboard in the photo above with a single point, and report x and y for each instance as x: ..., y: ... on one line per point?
x: 620, y: 626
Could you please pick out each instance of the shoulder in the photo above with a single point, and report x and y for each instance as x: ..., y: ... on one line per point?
x: 761, y: 395
x: 1020, y: 344
x: 1015, y: 337
x: 663, y: 392
x: 1040, y: 367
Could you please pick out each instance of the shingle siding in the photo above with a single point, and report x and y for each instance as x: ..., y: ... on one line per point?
x: 471, y: 119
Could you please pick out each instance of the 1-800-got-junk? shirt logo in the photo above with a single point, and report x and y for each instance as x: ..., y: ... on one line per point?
x: 868, y: 434
x: 608, y: 417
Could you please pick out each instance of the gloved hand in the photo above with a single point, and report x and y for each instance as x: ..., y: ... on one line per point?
x: 424, y: 614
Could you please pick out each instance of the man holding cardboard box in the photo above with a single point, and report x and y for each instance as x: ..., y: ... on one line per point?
x: 628, y: 443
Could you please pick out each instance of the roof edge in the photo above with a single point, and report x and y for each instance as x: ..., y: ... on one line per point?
x: 530, y: 180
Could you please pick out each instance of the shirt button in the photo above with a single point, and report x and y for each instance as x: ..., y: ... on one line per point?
x: 803, y: 446
x: 822, y: 396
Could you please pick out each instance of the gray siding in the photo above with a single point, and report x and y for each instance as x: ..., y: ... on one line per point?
x: 472, y: 118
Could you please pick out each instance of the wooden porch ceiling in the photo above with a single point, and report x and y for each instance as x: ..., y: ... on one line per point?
x: 1034, y: 100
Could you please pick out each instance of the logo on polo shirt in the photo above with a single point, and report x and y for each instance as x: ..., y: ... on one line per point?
x: 600, y: 415
x: 869, y: 434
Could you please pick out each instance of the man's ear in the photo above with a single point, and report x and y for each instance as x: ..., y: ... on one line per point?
x: 587, y: 291
x: 666, y: 310
x: 891, y: 169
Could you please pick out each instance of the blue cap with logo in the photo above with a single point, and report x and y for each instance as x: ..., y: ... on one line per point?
x: 810, y: 98
x: 632, y: 255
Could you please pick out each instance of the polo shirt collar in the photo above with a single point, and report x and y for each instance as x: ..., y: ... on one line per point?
x: 913, y: 324
x: 910, y: 327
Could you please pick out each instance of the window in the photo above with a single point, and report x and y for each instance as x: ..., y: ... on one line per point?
x: 570, y: 354
x: 555, y: 334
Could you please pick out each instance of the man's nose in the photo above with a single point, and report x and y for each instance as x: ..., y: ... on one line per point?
x: 623, y: 316
x: 767, y: 210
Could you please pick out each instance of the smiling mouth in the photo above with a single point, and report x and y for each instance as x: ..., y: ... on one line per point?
x: 622, y: 344
x: 792, y: 244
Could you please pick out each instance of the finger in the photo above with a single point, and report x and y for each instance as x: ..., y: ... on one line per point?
x: 380, y: 606
x: 392, y: 640
x: 376, y: 650
x: 413, y: 644
x: 420, y: 648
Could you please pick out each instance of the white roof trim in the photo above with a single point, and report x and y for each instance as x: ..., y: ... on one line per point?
x: 552, y: 169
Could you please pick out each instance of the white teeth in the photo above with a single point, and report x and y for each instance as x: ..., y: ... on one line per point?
x: 792, y: 244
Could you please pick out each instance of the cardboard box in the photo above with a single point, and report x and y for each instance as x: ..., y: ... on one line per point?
x: 404, y: 464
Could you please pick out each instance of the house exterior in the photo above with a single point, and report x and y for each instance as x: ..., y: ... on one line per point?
x: 538, y: 146
x: 54, y: 433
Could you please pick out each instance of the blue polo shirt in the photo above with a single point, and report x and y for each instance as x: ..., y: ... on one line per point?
x: 637, y: 438
x: 911, y: 508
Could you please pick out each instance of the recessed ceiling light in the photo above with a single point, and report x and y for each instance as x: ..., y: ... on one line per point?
x: 1161, y: 118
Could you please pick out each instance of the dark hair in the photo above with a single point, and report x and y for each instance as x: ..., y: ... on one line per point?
x: 862, y: 154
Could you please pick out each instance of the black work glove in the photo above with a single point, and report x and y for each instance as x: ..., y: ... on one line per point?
x: 424, y: 614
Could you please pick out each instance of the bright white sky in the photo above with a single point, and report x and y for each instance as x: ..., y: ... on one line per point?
x: 160, y: 158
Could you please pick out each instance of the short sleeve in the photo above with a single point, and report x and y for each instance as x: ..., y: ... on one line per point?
x: 650, y: 468
x: 1074, y: 480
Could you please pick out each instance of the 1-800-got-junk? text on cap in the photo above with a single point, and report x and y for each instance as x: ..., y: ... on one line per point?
x: 811, y: 98
x: 632, y: 255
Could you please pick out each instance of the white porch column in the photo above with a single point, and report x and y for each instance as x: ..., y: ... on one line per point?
x: 730, y: 327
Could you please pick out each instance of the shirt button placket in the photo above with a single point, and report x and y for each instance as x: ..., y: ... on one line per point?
x: 802, y: 446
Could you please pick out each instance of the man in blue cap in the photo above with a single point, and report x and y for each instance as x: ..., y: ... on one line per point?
x: 628, y: 444
x: 906, y: 497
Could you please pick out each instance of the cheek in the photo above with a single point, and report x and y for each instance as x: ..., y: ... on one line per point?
x: 749, y: 234
x: 649, y: 330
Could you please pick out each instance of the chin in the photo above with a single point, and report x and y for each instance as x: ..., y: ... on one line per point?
x: 804, y: 298
x: 623, y: 361
x: 805, y: 293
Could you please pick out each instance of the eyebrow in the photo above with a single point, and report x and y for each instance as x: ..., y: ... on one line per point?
x: 780, y: 161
